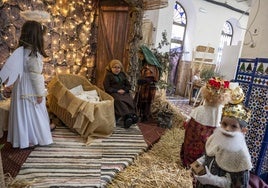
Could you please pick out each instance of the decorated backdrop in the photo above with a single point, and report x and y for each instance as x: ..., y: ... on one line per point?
x: 252, y: 74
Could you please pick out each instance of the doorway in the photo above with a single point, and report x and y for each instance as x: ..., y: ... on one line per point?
x: 113, y: 30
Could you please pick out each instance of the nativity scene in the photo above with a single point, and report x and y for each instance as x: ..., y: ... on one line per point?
x: 98, y: 93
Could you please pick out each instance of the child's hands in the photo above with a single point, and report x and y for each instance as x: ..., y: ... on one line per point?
x: 210, y: 179
x: 39, y: 100
x: 121, y: 91
x: 206, y: 179
x: 201, y: 160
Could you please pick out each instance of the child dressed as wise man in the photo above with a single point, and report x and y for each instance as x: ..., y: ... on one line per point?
x: 204, y: 119
x: 227, y: 162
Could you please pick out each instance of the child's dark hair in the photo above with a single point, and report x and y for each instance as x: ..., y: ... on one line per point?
x: 242, y: 123
x: 32, y: 34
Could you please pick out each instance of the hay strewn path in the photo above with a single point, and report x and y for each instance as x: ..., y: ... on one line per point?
x: 161, y: 166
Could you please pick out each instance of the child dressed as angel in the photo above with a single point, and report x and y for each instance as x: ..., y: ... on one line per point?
x: 29, y: 123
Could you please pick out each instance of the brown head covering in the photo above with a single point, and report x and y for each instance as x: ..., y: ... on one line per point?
x: 113, y: 63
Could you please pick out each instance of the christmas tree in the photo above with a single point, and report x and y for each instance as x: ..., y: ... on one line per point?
x: 249, y: 68
x: 243, y: 68
x: 266, y: 70
x: 260, y: 69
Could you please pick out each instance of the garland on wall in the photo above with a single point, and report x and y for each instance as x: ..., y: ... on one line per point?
x: 71, y: 39
x: 11, y: 22
x: 71, y: 42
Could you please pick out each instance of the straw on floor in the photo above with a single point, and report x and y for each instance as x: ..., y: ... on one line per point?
x: 161, y: 166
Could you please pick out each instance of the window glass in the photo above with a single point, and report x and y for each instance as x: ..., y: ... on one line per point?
x: 226, y: 37
x: 178, y: 27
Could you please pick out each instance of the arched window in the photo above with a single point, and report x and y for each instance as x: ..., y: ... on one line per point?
x: 176, y: 44
x: 226, y: 37
x: 178, y: 27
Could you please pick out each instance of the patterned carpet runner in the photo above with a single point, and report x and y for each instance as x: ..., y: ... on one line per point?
x: 181, y: 103
x: 68, y: 162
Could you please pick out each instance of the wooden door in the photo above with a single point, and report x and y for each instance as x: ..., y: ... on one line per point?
x: 112, y: 38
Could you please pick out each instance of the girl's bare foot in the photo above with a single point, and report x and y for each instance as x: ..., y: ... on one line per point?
x: 52, y: 126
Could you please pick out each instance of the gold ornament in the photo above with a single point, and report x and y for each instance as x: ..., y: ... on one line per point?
x: 238, y: 111
x: 237, y: 95
x: 235, y: 108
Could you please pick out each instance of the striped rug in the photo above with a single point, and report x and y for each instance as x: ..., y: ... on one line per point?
x: 68, y: 162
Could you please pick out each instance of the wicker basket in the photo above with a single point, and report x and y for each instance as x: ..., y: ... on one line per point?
x: 87, y: 118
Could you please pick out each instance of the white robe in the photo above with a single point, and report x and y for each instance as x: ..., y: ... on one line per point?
x: 29, y: 123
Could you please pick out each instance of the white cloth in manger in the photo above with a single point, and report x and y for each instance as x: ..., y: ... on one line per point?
x: 89, y: 96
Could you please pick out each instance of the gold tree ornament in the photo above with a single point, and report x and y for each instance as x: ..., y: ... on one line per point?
x: 237, y: 93
x: 36, y: 15
x: 235, y: 108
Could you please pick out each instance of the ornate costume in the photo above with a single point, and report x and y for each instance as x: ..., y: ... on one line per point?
x: 232, y: 164
x: 197, y: 130
x: 227, y: 160
x: 150, y: 73
x: 203, y: 120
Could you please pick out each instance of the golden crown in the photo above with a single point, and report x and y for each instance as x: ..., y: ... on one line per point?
x: 235, y: 108
x: 238, y: 111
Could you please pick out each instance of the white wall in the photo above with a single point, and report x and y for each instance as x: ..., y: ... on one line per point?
x: 258, y: 20
x: 230, y: 57
x: 153, y: 17
x: 203, y: 28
